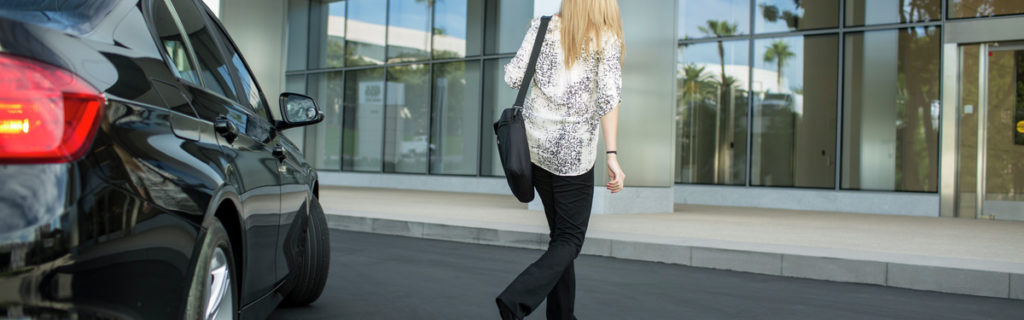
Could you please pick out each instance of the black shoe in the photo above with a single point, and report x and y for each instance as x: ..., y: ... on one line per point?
x: 506, y: 313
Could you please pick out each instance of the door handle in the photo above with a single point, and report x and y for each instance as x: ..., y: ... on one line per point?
x: 279, y: 153
x: 226, y: 129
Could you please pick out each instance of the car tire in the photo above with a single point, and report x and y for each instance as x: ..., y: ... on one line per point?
x: 214, y: 276
x: 311, y: 276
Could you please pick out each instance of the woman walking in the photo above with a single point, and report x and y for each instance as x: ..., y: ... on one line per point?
x: 576, y: 88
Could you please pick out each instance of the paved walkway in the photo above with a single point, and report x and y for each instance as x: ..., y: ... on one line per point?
x: 976, y: 257
x: 383, y: 277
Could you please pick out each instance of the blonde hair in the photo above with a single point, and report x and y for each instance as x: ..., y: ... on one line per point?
x: 584, y: 22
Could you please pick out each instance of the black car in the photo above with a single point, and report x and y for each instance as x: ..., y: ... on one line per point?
x: 143, y: 175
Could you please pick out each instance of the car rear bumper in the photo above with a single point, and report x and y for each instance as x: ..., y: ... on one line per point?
x: 73, y: 245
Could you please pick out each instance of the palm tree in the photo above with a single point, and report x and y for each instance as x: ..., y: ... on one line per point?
x: 694, y: 80
x: 779, y: 52
x: 719, y: 29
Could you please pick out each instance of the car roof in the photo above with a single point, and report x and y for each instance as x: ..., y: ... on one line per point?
x: 73, y: 16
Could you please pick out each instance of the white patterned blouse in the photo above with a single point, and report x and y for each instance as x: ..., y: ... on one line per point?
x: 564, y: 107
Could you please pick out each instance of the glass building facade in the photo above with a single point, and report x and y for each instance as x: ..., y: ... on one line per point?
x: 812, y: 94
x: 842, y: 95
x: 402, y: 82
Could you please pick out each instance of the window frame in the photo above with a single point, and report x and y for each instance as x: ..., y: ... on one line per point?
x: 189, y: 53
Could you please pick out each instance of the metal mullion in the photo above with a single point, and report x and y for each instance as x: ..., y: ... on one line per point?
x: 430, y: 124
x: 344, y: 82
x: 432, y: 87
x: 944, y: 11
x: 840, y: 91
x: 384, y: 120
x: 748, y: 180
x: 356, y: 68
x: 938, y: 152
x: 983, y: 64
x: 795, y: 34
x: 480, y: 126
x: 891, y: 26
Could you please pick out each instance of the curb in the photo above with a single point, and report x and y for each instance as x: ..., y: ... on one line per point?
x: 918, y: 277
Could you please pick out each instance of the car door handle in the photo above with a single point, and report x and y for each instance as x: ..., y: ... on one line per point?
x: 226, y: 129
x: 279, y: 153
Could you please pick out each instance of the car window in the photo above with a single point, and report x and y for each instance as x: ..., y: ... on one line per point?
x: 172, y: 42
x: 213, y: 66
x: 250, y: 91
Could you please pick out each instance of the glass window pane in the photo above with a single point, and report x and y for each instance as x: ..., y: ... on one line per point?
x: 984, y: 8
x: 213, y: 66
x: 455, y: 134
x: 298, y: 34
x: 795, y: 97
x: 327, y: 41
x: 497, y: 97
x: 363, y: 120
x: 458, y: 28
x: 365, y: 32
x: 174, y: 44
x: 506, y: 25
x: 713, y: 18
x: 868, y: 12
x: 407, y: 135
x: 891, y: 110
x: 324, y: 138
x: 409, y: 30
x: 712, y: 117
x: 787, y: 15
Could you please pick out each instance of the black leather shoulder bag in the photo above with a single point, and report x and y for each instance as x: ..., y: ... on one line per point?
x: 513, y: 149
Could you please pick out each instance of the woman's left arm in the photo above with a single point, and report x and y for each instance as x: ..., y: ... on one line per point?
x: 609, y: 85
x: 610, y: 127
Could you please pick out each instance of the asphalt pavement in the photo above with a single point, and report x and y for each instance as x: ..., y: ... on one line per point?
x: 389, y: 277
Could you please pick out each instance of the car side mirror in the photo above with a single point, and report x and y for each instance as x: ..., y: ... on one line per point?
x: 298, y: 110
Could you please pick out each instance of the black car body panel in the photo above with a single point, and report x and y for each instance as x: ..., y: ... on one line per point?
x: 113, y: 234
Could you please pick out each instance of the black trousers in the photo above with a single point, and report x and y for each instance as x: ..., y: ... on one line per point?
x: 567, y: 202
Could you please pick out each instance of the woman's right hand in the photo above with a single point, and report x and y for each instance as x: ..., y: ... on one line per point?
x: 616, y: 179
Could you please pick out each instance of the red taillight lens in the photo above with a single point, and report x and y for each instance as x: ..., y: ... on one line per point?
x: 47, y: 114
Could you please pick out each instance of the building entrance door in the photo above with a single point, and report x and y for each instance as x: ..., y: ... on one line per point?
x: 990, y: 153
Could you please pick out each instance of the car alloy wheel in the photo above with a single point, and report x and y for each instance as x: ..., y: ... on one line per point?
x: 220, y: 299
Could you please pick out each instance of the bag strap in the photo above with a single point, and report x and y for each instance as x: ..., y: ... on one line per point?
x: 532, y: 66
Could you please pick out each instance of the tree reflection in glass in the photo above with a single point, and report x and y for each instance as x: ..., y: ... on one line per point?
x: 363, y: 120
x: 891, y: 110
x: 869, y: 12
x: 984, y: 8
x: 458, y: 28
x: 788, y: 15
x: 694, y: 16
x: 795, y: 112
x: 407, y: 128
x: 712, y: 110
x: 409, y: 25
x: 365, y: 33
x: 456, y: 118
x: 327, y: 88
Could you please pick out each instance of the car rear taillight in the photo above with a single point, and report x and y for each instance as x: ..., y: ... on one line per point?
x: 47, y: 114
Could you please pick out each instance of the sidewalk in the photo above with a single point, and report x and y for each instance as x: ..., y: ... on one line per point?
x: 975, y: 257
